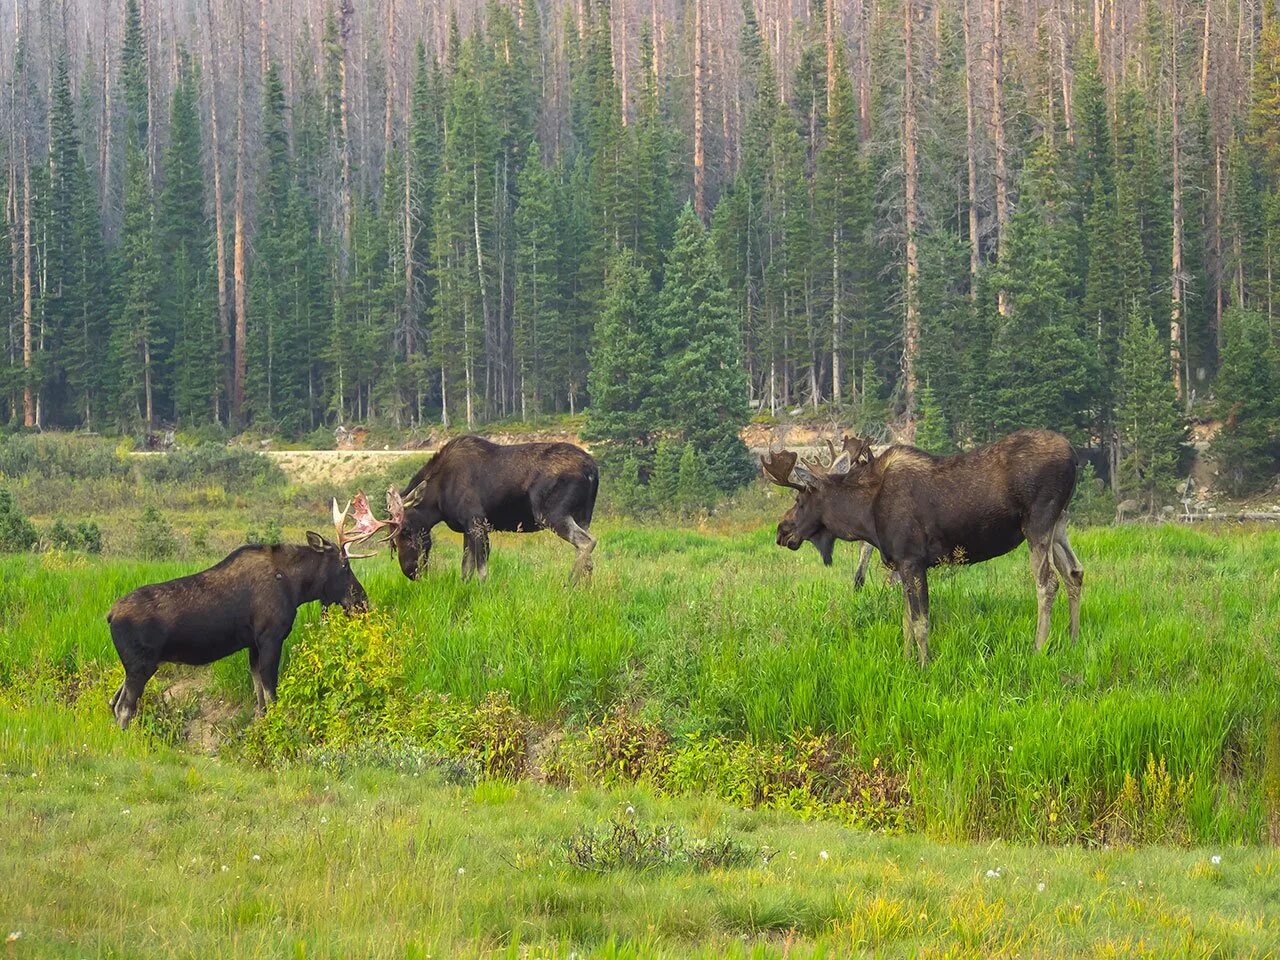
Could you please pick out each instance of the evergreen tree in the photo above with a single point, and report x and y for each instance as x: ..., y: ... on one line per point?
x: 664, y: 480
x: 1149, y: 423
x: 693, y: 482
x: 702, y: 390
x: 1041, y: 369
x: 135, y: 343
x: 1247, y: 447
x: 186, y: 295
x: 622, y: 361
x: 932, y: 432
x: 538, y: 282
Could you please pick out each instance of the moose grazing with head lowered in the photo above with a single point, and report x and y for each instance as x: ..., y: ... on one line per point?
x: 250, y: 599
x: 474, y: 485
x: 922, y: 510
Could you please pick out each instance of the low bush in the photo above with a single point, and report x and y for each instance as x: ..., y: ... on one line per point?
x: 269, y: 534
x: 85, y: 535
x: 54, y: 456
x: 625, y: 844
x: 234, y: 468
x: 156, y: 540
x: 16, y: 532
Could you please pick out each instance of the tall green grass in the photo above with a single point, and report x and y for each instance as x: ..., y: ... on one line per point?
x: 726, y: 634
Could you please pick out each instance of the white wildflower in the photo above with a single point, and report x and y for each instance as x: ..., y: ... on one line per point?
x: 1215, y: 860
x: 1040, y: 887
x: 461, y: 871
x: 225, y: 868
x: 256, y: 857
x: 823, y: 854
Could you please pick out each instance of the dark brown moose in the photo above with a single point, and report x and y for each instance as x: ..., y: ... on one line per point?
x: 921, y: 510
x: 474, y: 485
x: 250, y: 600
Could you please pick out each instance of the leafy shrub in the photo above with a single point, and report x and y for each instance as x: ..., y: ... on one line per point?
x: 200, y: 538
x: 232, y: 467
x: 623, y: 843
x: 155, y: 536
x: 625, y: 747
x: 269, y: 535
x: 85, y: 535
x: 16, y: 531
x: 338, y: 690
x: 50, y: 456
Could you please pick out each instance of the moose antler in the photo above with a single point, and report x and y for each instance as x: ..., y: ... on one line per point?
x: 856, y: 447
x: 778, y: 466
x: 366, y: 525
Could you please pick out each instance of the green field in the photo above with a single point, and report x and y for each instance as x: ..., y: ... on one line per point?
x: 725, y: 688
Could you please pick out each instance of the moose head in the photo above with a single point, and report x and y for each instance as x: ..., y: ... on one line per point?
x: 817, y: 516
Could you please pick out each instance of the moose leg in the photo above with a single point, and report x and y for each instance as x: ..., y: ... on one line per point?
x: 1046, y: 586
x: 568, y: 530
x: 255, y: 671
x: 475, y: 549
x: 126, y: 705
x: 269, y: 667
x: 864, y: 558
x: 1072, y: 573
x: 915, y: 615
x: 115, y: 697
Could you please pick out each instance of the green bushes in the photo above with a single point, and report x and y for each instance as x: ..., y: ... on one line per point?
x: 61, y: 456
x: 85, y: 535
x: 156, y: 540
x: 16, y: 531
x: 232, y: 467
x: 624, y: 843
x: 269, y: 534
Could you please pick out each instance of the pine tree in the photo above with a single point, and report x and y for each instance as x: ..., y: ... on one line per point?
x: 664, y: 479
x: 702, y: 390
x: 693, y: 482
x: 539, y: 294
x: 1264, y: 94
x: 1247, y: 447
x: 187, y: 300
x: 932, y: 432
x: 623, y: 373
x: 1148, y: 419
x: 135, y: 342
x: 1043, y: 367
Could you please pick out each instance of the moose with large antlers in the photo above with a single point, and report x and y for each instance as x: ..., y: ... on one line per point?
x: 922, y: 510
x: 250, y: 600
x: 474, y: 486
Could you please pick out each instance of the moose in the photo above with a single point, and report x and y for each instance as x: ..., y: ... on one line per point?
x: 922, y: 510
x: 474, y: 486
x: 249, y: 599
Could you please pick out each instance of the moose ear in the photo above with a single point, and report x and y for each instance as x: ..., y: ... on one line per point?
x: 841, y: 464
x: 316, y: 542
x: 804, y: 476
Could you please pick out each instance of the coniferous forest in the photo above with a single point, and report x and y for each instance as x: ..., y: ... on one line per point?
x: 961, y: 216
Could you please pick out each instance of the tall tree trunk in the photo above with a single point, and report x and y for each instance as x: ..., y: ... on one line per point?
x: 1218, y: 271
x: 1204, y: 50
x: 28, y: 395
x: 971, y: 149
x: 997, y: 136
x: 699, y: 119
x: 911, y: 329
x: 104, y: 133
x: 388, y: 111
x: 864, y: 68
x: 345, y: 13
x: 1175, y: 312
x: 240, y: 252
x: 622, y: 58
x: 219, y: 219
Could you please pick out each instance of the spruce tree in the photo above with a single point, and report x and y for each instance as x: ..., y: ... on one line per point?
x: 623, y: 362
x: 1247, y: 447
x: 702, y: 390
x: 135, y: 334
x: 186, y: 297
x: 1148, y: 420
x: 932, y: 432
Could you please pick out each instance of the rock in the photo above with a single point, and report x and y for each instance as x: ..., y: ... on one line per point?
x: 1166, y: 511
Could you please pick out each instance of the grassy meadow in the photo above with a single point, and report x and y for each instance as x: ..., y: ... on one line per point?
x: 715, y: 748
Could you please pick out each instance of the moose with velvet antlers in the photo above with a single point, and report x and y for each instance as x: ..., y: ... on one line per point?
x: 921, y: 510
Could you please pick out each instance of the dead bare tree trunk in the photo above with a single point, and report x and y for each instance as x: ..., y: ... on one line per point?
x: 344, y: 122
x: 240, y: 252
x: 1175, y: 312
x: 997, y: 136
x: 864, y: 69
x: 911, y: 329
x: 699, y: 109
x: 971, y: 149
x: 28, y: 395
x: 219, y: 219
x: 1204, y: 50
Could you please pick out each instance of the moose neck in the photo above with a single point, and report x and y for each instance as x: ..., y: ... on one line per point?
x: 306, y: 574
x: 847, y: 511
